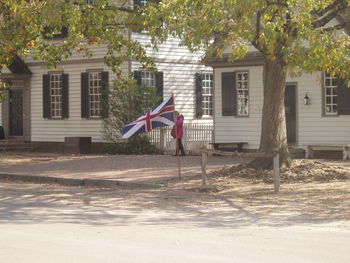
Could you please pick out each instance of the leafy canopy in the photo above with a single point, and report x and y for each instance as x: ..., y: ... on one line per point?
x: 300, y: 35
x: 24, y: 31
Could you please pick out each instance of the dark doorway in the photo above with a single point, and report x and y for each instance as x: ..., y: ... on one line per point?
x: 290, y: 108
x: 16, y: 112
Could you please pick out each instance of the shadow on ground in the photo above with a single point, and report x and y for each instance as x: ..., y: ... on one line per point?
x: 243, y: 204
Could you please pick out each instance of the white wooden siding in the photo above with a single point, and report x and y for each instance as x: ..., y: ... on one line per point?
x: 55, y: 130
x: 179, y: 79
x: 179, y: 67
x: 230, y: 128
x: 177, y: 63
x: 98, y: 53
x: 312, y: 126
x: 169, y: 51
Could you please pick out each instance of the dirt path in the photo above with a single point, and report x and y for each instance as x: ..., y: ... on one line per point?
x: 140, y: 168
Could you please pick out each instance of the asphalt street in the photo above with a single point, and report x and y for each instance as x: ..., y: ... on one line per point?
x: 50, y: 223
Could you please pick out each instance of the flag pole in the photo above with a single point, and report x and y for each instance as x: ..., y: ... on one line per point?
x: 177, y: 142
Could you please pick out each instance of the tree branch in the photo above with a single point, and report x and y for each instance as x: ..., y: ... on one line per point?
x: 278, y: 3
x: 218, y: 36
x: 322, y: 12
x: 125, y: 9
x: 255, y: 42
x: 338, y: 6
x: 337, y: 27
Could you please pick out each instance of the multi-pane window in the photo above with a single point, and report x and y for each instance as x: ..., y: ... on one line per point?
x: 207, y: 95
x: 144, y: 2
x: 330, y: 94
x: 95, y: 93
x: 56, y: 95
x: 148, y: 79
x: 242, y: 92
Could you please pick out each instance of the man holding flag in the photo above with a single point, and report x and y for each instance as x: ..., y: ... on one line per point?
x: 162, y: 115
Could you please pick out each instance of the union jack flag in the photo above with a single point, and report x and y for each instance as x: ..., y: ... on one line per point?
x: 162, y: 115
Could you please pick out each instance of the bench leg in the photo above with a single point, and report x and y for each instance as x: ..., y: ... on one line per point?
x: 346, y: 153
x: 309, y: 152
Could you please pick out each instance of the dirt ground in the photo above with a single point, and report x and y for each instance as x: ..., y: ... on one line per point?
x: 312, y: 191
x: 10, y: 158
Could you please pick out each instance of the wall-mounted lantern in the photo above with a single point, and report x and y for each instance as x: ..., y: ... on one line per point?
x: 307, y: 99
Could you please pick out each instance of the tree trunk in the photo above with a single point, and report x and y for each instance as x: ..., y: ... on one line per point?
x: 273, y: 126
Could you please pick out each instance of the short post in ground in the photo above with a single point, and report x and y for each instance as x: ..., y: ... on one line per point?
x: 276, y: 172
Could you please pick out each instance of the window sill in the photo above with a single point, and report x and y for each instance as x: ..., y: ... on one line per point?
x: 142, y: 32
x: 242, y: 116
x: 92, y: 118
x: 55, y: 118
x: 330, y: 115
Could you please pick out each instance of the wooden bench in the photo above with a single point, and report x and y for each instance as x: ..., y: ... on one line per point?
x: 77, y: 145
x: 4, y: 144
x: 228, y: 145
x: 309, y: 150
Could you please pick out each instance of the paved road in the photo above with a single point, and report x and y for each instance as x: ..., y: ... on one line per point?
x: 46, y: 223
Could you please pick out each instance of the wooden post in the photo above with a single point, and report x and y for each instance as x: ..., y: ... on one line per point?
x: 177, y: 143
x: 204, y: 167
x: 276, y: 172
x: 161, y: 140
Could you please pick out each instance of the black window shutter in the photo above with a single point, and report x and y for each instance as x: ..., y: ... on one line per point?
x: 159, y: 85
x: 228, y: 93
x: 64, y: 31
x: 343, y: 97
x: 104, y: 102
x: 65, y: 96
x: 46, y: 96
x: 85, y: 109
x: 137, y: 77
x: 199, y: 99
x: 137, y: 3
x: 48, y: 32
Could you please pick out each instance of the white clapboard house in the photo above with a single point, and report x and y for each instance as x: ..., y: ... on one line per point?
x: 317, y: 108
x: 45, y: 106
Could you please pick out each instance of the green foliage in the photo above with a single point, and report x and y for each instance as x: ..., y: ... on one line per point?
x: 3, y: 87
x: 135, y: 145
x: 126, y: 104
x: 303, y: 36
x: 24, y: 24
x: 293, y: 36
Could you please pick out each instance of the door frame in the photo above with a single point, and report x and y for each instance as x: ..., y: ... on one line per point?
x: 12, y: 115
x: 5, y: 118
x: 295, y: 84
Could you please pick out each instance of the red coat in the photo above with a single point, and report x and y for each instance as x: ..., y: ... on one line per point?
x: 179, y: 126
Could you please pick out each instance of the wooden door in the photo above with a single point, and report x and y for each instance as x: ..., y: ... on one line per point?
x: 16, y: 112
x: 290, y: 109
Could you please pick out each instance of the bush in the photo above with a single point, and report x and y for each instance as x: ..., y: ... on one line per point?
x: 126, y: 104
x: 135, y: 145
